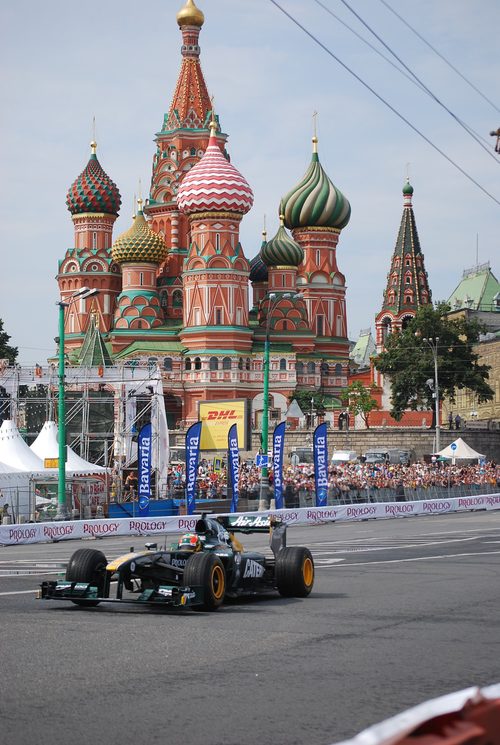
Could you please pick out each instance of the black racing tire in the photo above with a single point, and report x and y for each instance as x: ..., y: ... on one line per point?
x: 87, y: 565
x: 294, y: 572
x: 208, y: 571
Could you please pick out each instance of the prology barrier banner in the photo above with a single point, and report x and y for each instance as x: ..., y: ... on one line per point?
x: 192, y: 455
x: 60, y: 531
x: 144, y: 452
x: 278, y: 448
x: 233, y: 465
x: 320, y: 452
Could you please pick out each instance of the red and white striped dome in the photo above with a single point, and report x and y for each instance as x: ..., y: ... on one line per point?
x: 213, y: 184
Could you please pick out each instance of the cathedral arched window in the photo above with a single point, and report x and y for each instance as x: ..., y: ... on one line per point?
x: 408, y: 280
x: 311, y: 368
x: 197, y: 363
x: 177, y: 299
x: 386, y: 328
x: 193, y: 151
x: 407, y: 262
x: 247, y: 363
x: 226, y: 363
x: 299, y: 368
x: 163, y: 299
x: 282, y: 364
x: 187, y: 364
x: 240, y: 363
x: 338, y: 369
x: 213, y: 363
x: 325, y: 368
x: 167, y: 364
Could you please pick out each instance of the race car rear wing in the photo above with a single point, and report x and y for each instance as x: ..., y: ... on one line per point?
x: 257, y: 524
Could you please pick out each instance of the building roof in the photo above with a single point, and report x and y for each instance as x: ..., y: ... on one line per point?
x: 315, y: 201
x: 282, y: 250
x: 94, y: 351
x: 363, y: 349
x: 476, y: 290
x: 93, y: 190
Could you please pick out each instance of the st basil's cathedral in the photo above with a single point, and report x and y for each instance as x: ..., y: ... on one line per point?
x: 174, y: 288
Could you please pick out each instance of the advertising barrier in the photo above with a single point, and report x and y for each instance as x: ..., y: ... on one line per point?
x: 60, y: 531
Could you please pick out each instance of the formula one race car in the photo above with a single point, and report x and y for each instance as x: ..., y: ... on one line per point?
x: 200, y: 570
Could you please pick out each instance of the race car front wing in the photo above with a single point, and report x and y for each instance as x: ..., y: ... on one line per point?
x: 83, y: 593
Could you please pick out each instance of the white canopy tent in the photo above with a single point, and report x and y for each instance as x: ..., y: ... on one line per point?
x: 15, y: 452
x: 46, y: 445
x: 461, y: 451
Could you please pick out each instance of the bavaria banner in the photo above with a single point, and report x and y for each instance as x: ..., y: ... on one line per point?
x: 278, y: 448
x: 192, y: 455
x: 320, y: 453
x: 233, y: 469
x: 144, y: 453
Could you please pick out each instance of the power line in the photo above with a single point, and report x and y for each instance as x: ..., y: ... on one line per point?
x: 411, y: 77
x: 459, y: 121
x: 386, y: 103
x: 440, y: 55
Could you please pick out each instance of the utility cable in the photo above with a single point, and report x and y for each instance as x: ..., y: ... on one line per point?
x: 403, y: 20
x: 431, y: 94
x: 411, y: 76
x: 386, y: 103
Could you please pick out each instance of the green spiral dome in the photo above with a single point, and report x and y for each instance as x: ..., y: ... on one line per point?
x: 315, y: 201
x: 139, y: 243
x: 282, y: 250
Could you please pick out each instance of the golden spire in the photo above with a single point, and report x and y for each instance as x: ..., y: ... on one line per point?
x: 315, y: 134
x: 264, y: 230
x: 190, y: 15
x: 282, y: 220
x: 213, y: 122
x: 93, y: 144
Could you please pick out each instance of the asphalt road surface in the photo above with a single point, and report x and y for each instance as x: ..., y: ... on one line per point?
x: 403, y: 610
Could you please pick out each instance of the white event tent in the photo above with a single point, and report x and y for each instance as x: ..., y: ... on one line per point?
x: 461, y: 451
x: 46, y: 445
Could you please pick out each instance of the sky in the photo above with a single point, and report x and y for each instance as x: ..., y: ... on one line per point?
x: 63, y: 63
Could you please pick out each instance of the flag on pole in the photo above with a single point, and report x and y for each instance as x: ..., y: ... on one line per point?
x: 320, y: 453
x: 278, y: 449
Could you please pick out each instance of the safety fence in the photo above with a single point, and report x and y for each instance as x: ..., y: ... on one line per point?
x: 100, y: 528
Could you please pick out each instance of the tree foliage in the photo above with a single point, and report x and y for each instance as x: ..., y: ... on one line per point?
x: 408, y: 360
x: 359, y: 401
x: 6, y: 351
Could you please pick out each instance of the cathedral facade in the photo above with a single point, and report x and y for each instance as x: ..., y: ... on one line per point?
x: 176, y: 288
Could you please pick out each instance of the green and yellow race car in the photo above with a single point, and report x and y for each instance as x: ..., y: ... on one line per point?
x: 200, y: 571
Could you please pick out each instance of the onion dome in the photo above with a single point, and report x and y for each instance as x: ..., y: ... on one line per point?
x: 214, y: 184
x: 282, y: 250
x: 190, y: 15
x: 315, y: 201
x: 93, y: 190
x: 258, y: 270
x: 408, y: 188
x: 139, y: 242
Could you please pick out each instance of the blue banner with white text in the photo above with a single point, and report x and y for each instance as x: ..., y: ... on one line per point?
x: 144, y: 454
x: 233, y: 465
x: 278, y: 449
x: 320, y: 453
x: 193, y: 436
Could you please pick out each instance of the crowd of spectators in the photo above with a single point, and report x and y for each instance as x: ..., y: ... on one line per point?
x: 346, y: 482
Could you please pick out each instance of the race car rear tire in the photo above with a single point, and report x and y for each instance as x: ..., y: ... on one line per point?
x: 294, y: 572
x: 87, y: 565
x: 208, y: 571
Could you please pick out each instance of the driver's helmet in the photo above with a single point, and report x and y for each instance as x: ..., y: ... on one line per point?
x: 189, y: 542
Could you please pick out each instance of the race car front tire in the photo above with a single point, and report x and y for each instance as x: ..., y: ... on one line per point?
x: 294, y: 572
x: 208, y: 571
x: 89, y: 566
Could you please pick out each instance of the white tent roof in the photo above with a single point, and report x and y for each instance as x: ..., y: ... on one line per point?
x: 462, y: 451
x: 15, y: 452
x: 46, y: 445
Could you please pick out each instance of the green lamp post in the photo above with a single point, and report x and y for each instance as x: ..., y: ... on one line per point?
x: 62, y: 512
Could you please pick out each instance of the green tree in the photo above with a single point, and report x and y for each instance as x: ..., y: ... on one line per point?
x: 359, y: 401
x: 408, y: 360
x: 6, y: 352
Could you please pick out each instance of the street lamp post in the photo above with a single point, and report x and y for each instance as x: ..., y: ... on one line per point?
x: 62, y: 513
x: 433, y: 343
x: 264, y: 476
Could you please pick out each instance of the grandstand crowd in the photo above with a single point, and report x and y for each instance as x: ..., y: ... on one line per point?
x: 350, y: 482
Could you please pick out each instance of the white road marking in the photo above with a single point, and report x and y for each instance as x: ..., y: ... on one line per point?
x: 418, y: 558
x: 19, y: 592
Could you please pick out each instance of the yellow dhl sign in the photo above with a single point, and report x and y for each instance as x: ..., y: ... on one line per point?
x: 51, y: 462
x: 217, y: 418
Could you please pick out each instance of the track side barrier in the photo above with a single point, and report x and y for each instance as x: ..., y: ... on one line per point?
x: 468, y: 717
x: 77, y: 529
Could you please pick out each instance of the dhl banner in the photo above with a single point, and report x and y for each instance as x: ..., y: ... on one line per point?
x: 217, y: 418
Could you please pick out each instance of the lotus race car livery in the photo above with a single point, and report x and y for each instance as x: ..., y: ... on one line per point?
x: 200, y: 571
